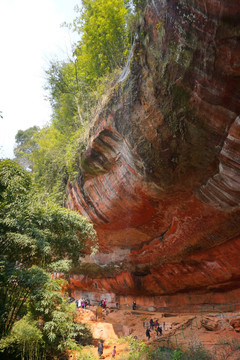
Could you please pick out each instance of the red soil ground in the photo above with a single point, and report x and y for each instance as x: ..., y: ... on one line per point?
x: 218, y: 332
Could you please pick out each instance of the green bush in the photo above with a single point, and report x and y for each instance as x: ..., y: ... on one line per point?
x: 162, y: 353
x: 177, y: 355
x: 139, y: 350
x: 25, y: 340
x: 86, y: 357
x: 196, y: 351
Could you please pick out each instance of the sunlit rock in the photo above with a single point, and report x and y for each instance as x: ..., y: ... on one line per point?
x: 161, y: 176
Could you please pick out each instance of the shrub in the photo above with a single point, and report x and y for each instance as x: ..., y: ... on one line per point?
x: 162, y: 353
x: 197, y: 351
x: 139, y: 350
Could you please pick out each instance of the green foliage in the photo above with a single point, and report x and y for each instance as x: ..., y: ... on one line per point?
x: 68, y: 94
x: 16, y: 284
x: 25, y: 340
x: 103, y: 47
x: 61, y: 266
x: 25, y: 145
x: 48, y: 330
x: 177, y: 355
x: 49, y: 169
x: 56, y: 159
x: 83, y: 356
x: 75, y: 87
x: 60, y: 332
x: 195, y: 351
x: 104, y: 40
x: 162, y: 353
x: 139, y: 350
x: 140, y: 4
x: 33, y: 231
x: 14, y: 183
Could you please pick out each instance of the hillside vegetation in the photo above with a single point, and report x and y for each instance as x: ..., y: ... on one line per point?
x: 75, y: 88
x: 38, y: 236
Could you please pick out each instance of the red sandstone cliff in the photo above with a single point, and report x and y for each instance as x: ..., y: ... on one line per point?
x: 161, y: 176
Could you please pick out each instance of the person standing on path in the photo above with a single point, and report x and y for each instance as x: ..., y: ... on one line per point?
x: 100, y: 349
x: 99, y: 313
x: 148, y: 333
x: 114, y: 352
x: 159, y: 330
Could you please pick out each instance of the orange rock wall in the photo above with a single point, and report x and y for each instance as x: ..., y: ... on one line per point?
x: 161, y: 176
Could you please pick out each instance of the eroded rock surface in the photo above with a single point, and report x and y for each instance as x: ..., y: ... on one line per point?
x: 161, y: 176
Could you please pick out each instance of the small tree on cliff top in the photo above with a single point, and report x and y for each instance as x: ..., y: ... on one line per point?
x: 104, y: 40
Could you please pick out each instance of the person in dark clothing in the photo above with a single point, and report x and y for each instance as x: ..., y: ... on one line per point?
x: 159, y: 330
x: 151, y: 324
x: 156, y: 324
x: 148, y: 333
x: 134, y: 305
x: 100, y: 349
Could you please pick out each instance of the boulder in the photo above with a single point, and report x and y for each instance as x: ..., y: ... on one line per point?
x: 235, y: 323
x: 210, y: 324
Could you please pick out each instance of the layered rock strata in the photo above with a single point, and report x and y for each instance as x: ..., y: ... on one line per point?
x: 161, y: 176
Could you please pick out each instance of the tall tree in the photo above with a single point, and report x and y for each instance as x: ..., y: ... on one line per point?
x: 104, y: 40
x: 25, y: 145
x: 49, y: 163
x: 75, y: 86
x: 33, y: 232
x: 103, y: 47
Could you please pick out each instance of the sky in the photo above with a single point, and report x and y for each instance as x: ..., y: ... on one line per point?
x: 31, y: 36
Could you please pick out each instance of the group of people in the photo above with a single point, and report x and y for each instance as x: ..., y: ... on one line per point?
x: 103, y: 303
x: 82, y: 303
x: 153, y: 325
x: 150, y: 325
x: 100, y: 350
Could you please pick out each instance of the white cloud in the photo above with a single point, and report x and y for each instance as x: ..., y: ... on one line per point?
x: 30, y: 35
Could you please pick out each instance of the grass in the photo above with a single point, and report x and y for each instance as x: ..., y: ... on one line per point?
x: 233, y: 343
x: 228, y: 346
x: 139, y: 350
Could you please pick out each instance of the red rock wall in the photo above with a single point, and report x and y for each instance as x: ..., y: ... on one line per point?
x: 161, y: 176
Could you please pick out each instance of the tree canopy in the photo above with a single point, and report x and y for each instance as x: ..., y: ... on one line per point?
x: 33, y: 229
x: 74, y: 87
x: 36, y: 236
x: 25, y: 145
x: 104, y: 40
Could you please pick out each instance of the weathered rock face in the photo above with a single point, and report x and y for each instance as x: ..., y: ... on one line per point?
x: 161, y: 176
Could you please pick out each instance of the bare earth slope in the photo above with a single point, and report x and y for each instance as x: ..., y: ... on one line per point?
x: 212, y: 330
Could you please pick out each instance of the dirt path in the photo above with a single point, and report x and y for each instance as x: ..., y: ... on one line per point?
x: 212, y: 330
